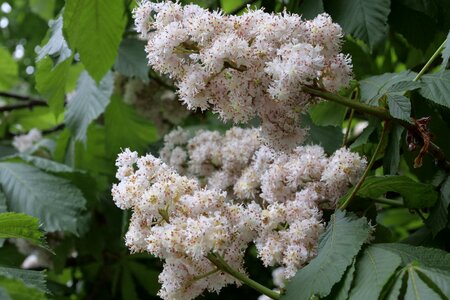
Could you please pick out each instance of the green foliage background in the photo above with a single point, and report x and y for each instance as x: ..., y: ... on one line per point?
x: 54, y: 50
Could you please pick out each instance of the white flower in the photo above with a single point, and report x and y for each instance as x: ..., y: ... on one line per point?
x: 25, y: 141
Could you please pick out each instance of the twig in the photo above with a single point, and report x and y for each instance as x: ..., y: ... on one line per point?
x: 355, y: 190
x: 383, y: 114
x: 18, y: 97
x: 28, y: 105
x: 430, y: 61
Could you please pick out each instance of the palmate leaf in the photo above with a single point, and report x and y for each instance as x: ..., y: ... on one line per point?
x: 132, y: 60
x: 94, y: 28
x: 366, y: 20
x: 340, y: 290
x: 18, y: 290
x: 8, y: 70
x: 436, y: 87
x: 399, y: 107
x: 33, y: 279
x: 327, y: 113
x: 415, y: 194
x: 87, y: 104
x: 374, y: 87
x: 391, y: 159
x: 438, y: 218
x: 373, y: 270
x: 446, y: 52
x: 51, y: 82
x: 56, y: 45
x: 416, y: 289
x: 16, y: 225
x: 340, y: 243
x: 126, y: 129
x: 55, y: 201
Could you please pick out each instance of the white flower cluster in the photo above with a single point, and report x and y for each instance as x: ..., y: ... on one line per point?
x: 246, y: 66
x: 236, y: 191
x: 25, y: 141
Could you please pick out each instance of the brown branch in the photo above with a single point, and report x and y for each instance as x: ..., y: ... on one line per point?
x: 28, y: 105
x: 18, y: 97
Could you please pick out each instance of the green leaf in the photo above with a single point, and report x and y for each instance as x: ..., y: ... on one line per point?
x: 373, y: 271
x: 55, y: 201
x: 366, y: 20
x: 374, y: 87
x: 126, y: 129
x: 94, y: 28
x: 363, y: 138
x: 436, y: 87
x: 87, y: 104
x: 327, y: 113
x: 438, y: 278
x: 438, y: 218
x: 8, y: 70
x: 399, y: 107
x: 309, y: 9
x: 329, y: 137
x: 404, y: 86
x: 415, y: 194
x: 14, y: 225
x: 44, y: 9
x: 128, y: 287
x: 417, y: 289
x: 391, y: 159
x: 446, y: 52
x: 341, y: 290
x: 397, y: 285
x: 46, y: 164
x: 428, y: 257
x: 147, y: 278
x: 33, y: 279
x: 17, y: 290
x: 56, y: 46
x: 132, y: 60
x: 4, y: 294
x: 340, y: 243
x: 51, y: 82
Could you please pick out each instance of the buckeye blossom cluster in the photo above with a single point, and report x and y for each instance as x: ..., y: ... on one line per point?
x: 246, y: 66
x: 235, y: 191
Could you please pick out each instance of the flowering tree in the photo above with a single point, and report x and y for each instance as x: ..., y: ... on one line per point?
x: 288, y: 149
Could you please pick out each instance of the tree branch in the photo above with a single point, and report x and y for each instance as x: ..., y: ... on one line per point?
x: 29, y: 105
x: 383, y: 114
x: 18, y: 97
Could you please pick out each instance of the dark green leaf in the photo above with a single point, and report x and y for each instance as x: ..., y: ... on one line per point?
x: 33, y: 279
x: 340, y: 243
x: 128, y: 288
x: 341, y: 290
x: 428, y: 257
x: 94, y: 28
x: 363, y: 138
x: 417, y: 289
x: 8, y: 70
x: 415, y: 194
x: 126, y: 129
x: 374, y: 87
x: 309, y: 9
x: 87, y: 104
x: 51, y: 82
x: 436, y: 87
x: 46, y: 164
x: 446, y: 52
x: 132, y: 60
x: 55, y: 201
x: 327, y: 113
x: 329, y: 137
x: 17, y: 290
x: 438, y: 278
x: 373, y: 271
x: 391, y: 159
x: 404, y: 86
x: 366, y: 20
x: 147, y: 278
x: 438, y: 218
x: 399, y: 107
x: 14, y: 225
